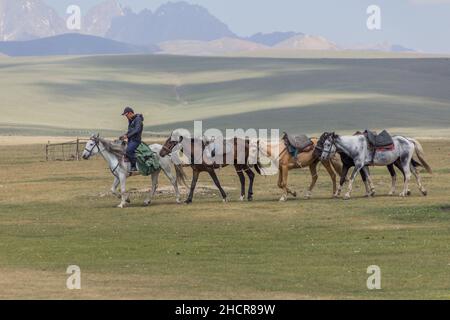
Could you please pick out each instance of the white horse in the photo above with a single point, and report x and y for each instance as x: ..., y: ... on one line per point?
x: 113, y: 153
x: 357, y: 148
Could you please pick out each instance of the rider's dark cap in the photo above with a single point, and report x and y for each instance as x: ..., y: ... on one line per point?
x: 127, y: 110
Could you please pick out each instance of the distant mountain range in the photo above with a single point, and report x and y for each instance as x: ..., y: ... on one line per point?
x: 175, y: 27
x: 98, y: 20
x: 171, y: 21
x: 25, y: 20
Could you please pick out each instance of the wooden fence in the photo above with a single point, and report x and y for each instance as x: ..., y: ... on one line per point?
x: 66, y: 151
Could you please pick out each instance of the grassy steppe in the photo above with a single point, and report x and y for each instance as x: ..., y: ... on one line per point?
x: 77, y: 95
x: 52, y: 216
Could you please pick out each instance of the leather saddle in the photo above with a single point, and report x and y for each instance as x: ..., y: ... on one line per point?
x: 299, y: 143
x: 381, y: 140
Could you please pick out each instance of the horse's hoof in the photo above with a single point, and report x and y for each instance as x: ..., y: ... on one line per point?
x: 147, y: 203
x: 188, y: 202
x: 117, y: 195
x: 372, y: 193
x: 128, y: 201
x: 408, y: 193
x: 402, y: 195
x: 225, y: 200
x: 336, y: 195
x: 424, y: 192
x: 121, y: 206
x: 178, y: 201
x: 294, y: 194
x: 391, y: 193
x: 242, y: 198
x: 250, y: 199
x: 347, y: 197
x: 283, y: 199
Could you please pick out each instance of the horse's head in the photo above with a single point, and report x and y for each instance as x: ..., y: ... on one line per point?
x: 92, y: 147
x: 326, y: 146
x: 175, y: 138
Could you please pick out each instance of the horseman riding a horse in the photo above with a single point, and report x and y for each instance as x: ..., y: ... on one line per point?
x: 123, y: 162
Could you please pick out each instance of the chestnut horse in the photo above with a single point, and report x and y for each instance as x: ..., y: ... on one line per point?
x: 278, y: 152
x: 227, y: 157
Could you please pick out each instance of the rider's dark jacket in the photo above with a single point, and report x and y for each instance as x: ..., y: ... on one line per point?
x: 135, y: 128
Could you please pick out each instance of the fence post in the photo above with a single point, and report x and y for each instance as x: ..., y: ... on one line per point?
x: 78, y: 149
x: 46, y: 150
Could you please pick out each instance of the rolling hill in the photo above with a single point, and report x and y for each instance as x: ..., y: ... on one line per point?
x: 84, y: 94
x: 306, y: 42
x: 271, y: 39
x: 207, y: 48
x: 70, y: 44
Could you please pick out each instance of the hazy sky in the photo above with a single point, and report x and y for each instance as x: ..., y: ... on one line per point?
x: 419, y: 24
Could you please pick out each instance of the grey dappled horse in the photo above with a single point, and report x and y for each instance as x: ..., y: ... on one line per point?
x: 114, y: 152
x: 357, y: 148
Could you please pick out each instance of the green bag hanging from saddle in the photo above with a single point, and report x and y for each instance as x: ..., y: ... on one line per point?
x: 147, y: 160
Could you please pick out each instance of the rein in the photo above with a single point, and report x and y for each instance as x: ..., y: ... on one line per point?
x: 97, y: 145
x: 167, y: 149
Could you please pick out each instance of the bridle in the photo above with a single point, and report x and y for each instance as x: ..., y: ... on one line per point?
x: 96, y: 145
x: 328, y: 152
x: 167, y: 149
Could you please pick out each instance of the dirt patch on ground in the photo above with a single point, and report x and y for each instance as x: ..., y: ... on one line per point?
x: 21, y: 283
x: 168, y: 190
x: 378, y: 227
x: 28, y: 140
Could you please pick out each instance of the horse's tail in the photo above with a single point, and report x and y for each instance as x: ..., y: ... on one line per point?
x: 421, y: 155
x: 181, y: 175
x: 337, y: 164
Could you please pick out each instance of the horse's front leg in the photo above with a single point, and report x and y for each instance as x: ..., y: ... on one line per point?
x: 123, y: 191
x: 314, y: 177
x: 114, y: 187
x: 195, y: 174
x: 355, y: 172
x: 329, y: 168
x: 282, y: 183
x: 152, y: 192
x: 345, y: 169
x: 393, y: 179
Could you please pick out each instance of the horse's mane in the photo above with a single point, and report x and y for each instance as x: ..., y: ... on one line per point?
x: 117, y: 149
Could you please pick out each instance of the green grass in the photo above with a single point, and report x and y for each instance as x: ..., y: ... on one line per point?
x: 79, y: 95
x: 52, y: 216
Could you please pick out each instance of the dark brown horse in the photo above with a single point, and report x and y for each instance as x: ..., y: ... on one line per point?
x: 222, y: 158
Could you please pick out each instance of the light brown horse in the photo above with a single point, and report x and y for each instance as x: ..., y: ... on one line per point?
x: 278, y: 152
